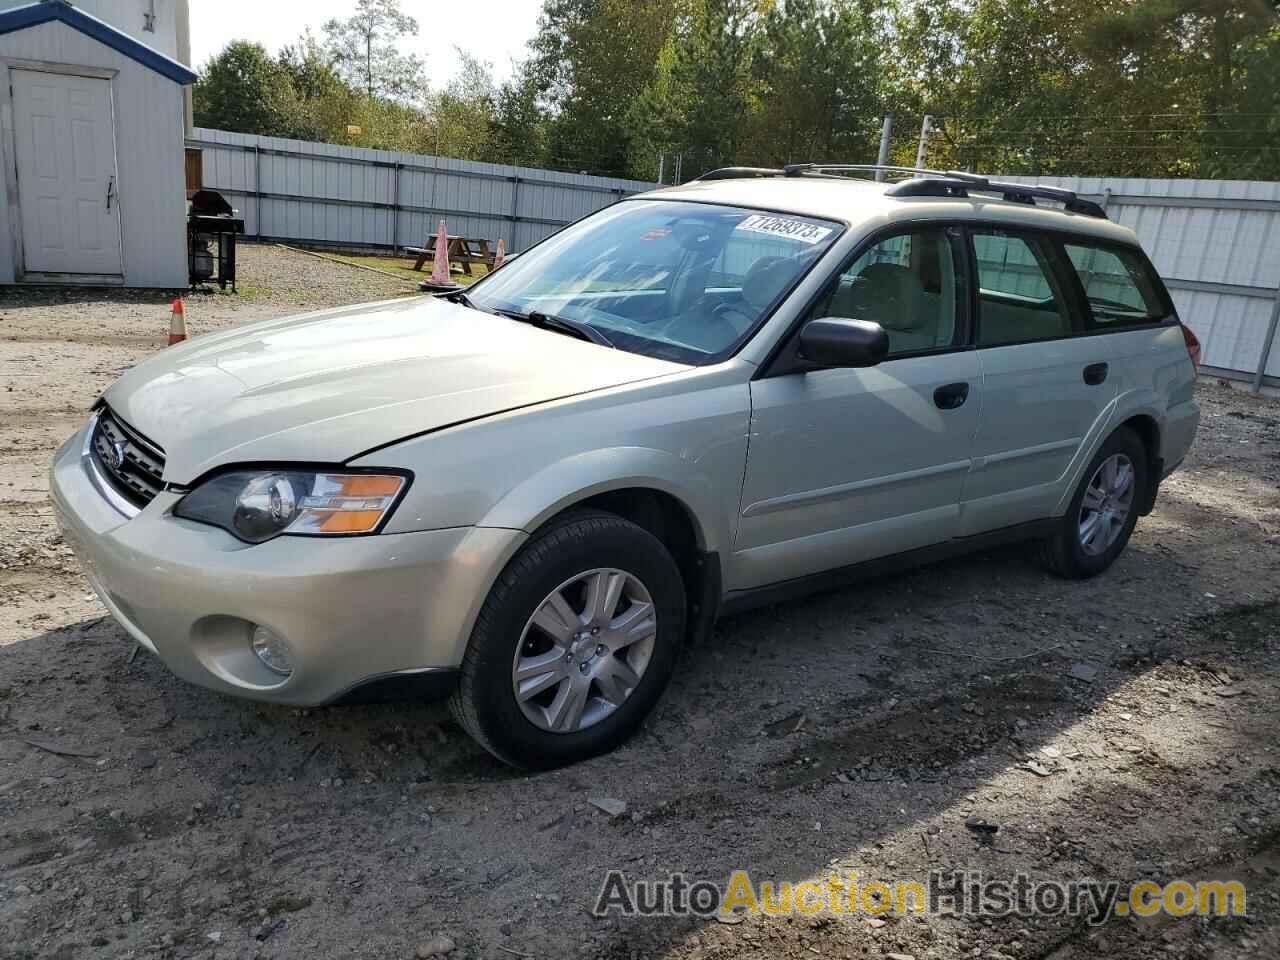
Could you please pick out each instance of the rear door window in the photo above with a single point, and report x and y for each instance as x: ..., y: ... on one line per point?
x: 1119, y: 284
x: 1020, y: 299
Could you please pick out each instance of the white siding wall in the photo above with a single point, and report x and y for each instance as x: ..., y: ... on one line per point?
x: 149, y: 154
x: 127, y: 17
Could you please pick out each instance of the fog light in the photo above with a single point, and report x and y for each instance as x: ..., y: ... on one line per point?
x: 273, y: 650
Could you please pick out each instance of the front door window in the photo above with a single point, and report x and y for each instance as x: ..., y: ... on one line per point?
x: 908, y: 284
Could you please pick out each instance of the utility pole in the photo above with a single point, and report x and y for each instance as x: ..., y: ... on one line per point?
x: 1267, y: 343
x: 926, y: 130
x: 886, y: 133
x: 679, y: 169
x: 662, y: 167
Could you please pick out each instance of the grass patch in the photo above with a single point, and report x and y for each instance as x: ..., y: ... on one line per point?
x: 403, y: 267
x: 244, y: 292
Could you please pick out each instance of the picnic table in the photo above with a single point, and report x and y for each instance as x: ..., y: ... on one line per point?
x: 462, y: 250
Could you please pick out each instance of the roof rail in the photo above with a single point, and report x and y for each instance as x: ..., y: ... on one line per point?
x: 956, y: 183
x: 925, y: 183
x: 801, y: 169
x: 1015, y: 192
x: 740, y: 173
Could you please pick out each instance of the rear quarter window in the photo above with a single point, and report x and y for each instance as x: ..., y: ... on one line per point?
x: 1120, y: 286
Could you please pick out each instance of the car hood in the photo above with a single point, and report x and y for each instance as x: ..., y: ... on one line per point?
x: 325, y: 387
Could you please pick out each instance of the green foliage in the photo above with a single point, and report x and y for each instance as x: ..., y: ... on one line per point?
x: 462, y: 115
x: 712, y: 73
x: 243, y: 89
x: 1095, y: 87
x: 590, y: 59
x: 519, y: 130
x: 818, y: 70
x: 1088, y: 87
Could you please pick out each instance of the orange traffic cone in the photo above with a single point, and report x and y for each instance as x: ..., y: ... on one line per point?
x: 440, y: 263
x: 500, y: 255
x: 178, y: 323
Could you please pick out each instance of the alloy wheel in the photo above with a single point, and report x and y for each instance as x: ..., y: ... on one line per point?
x: 584, y: 650
x: 1107, y: 503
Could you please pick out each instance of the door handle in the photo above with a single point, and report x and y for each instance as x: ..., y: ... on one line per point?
x: 1095, y: 373
x: 950, y: 396
x: 111, y: 190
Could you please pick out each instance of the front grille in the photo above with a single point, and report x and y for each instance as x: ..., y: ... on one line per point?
x: 132, y: 464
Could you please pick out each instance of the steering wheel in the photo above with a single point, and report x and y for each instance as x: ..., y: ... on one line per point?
x: 871, y: 298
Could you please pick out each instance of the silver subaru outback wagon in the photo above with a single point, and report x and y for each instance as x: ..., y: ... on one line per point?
x: 527, y: 496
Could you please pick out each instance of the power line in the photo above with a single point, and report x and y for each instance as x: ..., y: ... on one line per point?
x: 1104, y: 116
x: 1130, y: 131
x: 1090, y: 148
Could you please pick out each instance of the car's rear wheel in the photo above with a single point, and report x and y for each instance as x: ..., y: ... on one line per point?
x: 574, y: 644
x: 1104, y: 510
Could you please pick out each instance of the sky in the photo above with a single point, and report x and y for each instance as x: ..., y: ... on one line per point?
x: 493, y: 30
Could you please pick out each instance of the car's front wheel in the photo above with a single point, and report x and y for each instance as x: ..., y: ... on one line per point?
x: 574, y: 644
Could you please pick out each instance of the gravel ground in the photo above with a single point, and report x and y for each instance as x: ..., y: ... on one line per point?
x: 1124, y: 728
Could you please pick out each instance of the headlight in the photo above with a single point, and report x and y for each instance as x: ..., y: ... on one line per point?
x: 256, y: 505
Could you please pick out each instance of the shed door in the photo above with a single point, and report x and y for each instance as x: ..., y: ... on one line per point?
x: 64, y: 135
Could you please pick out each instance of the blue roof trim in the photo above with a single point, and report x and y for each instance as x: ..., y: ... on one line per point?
x: 45, y: 11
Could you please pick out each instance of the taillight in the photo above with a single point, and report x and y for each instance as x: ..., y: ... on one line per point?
x: 1193, y: 345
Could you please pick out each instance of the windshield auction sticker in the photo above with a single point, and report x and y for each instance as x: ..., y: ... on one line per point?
x: 785, y: 227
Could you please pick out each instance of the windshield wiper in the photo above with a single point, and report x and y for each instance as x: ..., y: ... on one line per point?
x: 575, y: 328
x: 460, y: 296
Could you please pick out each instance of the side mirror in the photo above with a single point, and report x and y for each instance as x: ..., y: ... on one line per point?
x: 833, y: 342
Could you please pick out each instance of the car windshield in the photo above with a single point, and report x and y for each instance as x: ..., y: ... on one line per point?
x: 682, y: 281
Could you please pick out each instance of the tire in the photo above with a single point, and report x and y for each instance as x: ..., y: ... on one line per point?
x: 1071, y: 552
x: 582, y: 550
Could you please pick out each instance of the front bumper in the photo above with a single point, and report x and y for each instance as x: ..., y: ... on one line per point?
x: 354, y: 610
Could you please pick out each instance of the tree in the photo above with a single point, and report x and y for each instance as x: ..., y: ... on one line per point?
x: 364, y: 50
x: 711, y: 74
x: 519, y: 126
x: 656, y: 118
x: 462, y: 114
x: 1216, y: 46
x: 1216, y: 26
x: 1087, y: 87
x: 324, y: 104
x: 1117, y: 87
x: 591, y: 59
x: 1258, y: 96
x: 242, y: 89
x: 819, y: 76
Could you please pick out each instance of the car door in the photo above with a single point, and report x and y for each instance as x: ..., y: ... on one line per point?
x: 1047, y: 384
x: 846, y: 465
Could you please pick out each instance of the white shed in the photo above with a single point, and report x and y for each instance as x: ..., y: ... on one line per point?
x: 91, y: 124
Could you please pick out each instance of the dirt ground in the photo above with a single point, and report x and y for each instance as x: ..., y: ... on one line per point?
x: 141, y: 816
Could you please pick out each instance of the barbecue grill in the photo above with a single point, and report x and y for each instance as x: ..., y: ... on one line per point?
x: 212, y: 227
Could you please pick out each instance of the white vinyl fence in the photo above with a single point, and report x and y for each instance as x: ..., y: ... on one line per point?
x: 1216, y: 243
x: 324, y: 194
